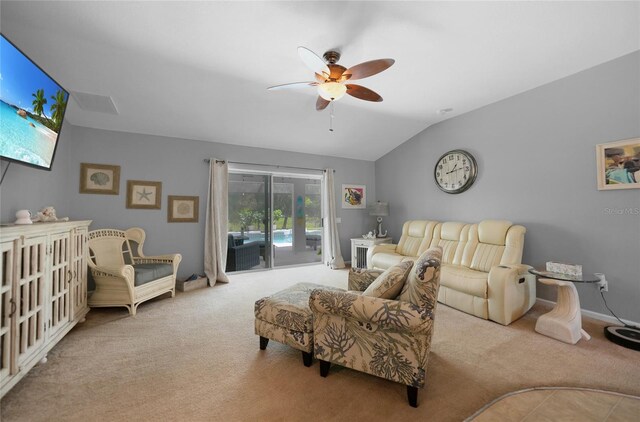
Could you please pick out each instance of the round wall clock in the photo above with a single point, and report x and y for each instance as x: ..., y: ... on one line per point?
x: 455, y: 171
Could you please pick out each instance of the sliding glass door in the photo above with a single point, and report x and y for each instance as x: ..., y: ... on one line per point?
x: 249, y: 240
x: 274, y: 220
x: 297, y: 230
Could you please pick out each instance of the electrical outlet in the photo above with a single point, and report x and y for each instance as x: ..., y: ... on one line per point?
x: 603, y: 284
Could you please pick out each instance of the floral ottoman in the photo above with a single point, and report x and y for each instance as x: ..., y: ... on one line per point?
x: 286, y: 318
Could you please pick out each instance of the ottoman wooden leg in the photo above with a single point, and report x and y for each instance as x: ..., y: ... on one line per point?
x: 307, y: 359
x: 263, y: 342
x: 324, y: 368
x: 412, y: 395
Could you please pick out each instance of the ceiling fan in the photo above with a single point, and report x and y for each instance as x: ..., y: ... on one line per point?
x: 331, y: 77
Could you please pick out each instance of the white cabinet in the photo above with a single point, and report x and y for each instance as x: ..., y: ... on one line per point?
x: 29, y: 291
x: 43, y: 292
x: 79, y: 269
x: 59, y: 283
x: 359, y: 248
x: 7, y: 309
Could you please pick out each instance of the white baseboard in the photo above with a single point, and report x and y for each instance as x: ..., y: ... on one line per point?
x: 595, y: 315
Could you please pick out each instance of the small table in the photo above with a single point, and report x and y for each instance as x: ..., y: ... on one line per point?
x: 359, y: 248
x: 564, y: 322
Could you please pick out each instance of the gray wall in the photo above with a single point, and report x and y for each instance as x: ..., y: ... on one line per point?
x: 536, y: 158
x: 179, y: 165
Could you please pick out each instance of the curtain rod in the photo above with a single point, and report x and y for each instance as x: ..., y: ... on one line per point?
x: 207, y: 160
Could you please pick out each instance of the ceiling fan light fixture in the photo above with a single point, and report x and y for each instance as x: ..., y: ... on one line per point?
x: 332, y: 91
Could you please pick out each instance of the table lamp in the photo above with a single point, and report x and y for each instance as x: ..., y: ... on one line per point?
x: 380, y: 209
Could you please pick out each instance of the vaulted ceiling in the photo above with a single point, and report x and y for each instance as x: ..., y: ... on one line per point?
x: 199, y: 70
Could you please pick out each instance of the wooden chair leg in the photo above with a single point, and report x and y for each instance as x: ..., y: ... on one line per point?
x: 263, y: 342
x: 307, y: 359
x: 412, y: 395
x: 324, y: 368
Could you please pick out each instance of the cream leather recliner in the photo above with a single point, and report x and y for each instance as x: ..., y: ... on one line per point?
x: 416, y: 238
x: 481, y: 270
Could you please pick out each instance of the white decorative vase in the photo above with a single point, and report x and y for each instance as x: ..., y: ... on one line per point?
x: 23, y: 217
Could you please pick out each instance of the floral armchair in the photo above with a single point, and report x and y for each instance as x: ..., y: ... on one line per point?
x: 390, y: 339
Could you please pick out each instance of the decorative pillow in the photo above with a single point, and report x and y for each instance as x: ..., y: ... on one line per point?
x: 421, y: 287
x: 390, y: 282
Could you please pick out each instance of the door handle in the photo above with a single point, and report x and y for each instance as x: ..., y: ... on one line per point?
x: 13, y: 308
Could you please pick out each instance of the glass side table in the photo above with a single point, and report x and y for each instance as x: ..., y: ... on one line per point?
x: 564, y: 322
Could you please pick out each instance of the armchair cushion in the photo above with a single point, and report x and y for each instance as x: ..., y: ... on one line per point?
x: 289, y: 308
x: 420, y: 288
x: 389, y: 284
x: 371, y: 313
x: 145, y: 273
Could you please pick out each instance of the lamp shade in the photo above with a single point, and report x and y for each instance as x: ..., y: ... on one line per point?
x: 379, y: 209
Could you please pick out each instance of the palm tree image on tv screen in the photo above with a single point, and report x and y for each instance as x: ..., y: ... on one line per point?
x: 32, y: 107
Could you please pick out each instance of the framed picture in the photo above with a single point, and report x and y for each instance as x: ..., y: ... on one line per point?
x: 354, y: 196
x: 183, y: 209
x: 618, y: 164
x: 143, y: 194
x: 99, y: 178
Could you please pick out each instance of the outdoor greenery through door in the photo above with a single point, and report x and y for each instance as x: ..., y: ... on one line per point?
x: 293, y: 230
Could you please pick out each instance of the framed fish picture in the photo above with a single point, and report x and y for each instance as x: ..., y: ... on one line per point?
x: 618, y: 164
x: 354, y: 196
x: 99, y: 178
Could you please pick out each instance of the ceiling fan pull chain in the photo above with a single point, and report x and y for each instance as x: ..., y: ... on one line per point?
x: 331, y: 117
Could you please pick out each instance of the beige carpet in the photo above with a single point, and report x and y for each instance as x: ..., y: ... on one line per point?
x: 196, y: 358
x: 561, y: 404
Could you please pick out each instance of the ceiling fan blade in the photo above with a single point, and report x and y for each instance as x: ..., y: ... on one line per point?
x: 292, y: 85
x: 321, y: 103
x: 366, y: 69
x: 321, y: 78
x: 313, y: 61
x: 363, y: 93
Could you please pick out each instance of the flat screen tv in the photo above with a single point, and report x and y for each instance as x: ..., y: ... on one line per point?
x: 32, y: 107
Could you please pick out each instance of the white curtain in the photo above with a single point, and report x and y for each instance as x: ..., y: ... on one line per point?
x: 330, y: 239
x: 215, y: 232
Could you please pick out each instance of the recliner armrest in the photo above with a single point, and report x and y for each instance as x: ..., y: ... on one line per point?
x: 393, y: 315
x: 383, y: 247
x: 511, y: 292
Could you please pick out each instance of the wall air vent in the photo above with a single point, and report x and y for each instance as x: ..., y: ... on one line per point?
x: 95, y: 103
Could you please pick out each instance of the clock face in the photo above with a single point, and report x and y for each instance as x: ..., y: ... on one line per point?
x: 455, y: 171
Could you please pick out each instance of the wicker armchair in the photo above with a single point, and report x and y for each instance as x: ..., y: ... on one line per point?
x: 124, y: 276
